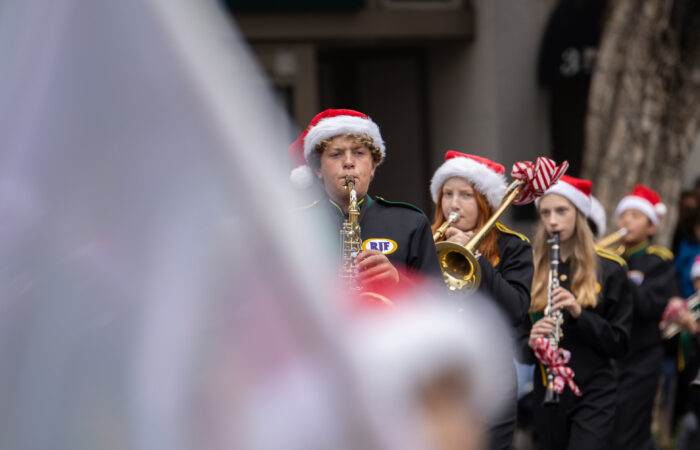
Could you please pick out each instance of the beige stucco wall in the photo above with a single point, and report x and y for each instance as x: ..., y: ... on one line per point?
x: 483, y: 95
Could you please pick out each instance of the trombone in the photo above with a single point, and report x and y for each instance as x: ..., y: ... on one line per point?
x: 613, y: 242
x: 460, y: 269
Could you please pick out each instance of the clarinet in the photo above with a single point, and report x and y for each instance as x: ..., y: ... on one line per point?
x: 551, y: 398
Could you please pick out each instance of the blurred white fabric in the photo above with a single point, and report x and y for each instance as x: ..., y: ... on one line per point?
x: 404, y: 349
x: 148, y: 256
x: 157, y: 288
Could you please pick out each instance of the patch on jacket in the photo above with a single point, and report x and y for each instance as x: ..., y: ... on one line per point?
x: 636, y: 276
x: 383, y: 245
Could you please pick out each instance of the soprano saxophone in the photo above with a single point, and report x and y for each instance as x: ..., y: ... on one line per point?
x: 350, y: 241
x: 551, y: 398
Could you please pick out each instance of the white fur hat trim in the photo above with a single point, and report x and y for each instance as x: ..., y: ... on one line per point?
x: 339, y: 125
x: 639, y: 203
x: 598, y: 217
x: 575, y: 196
x: 490, y: 184
x: 302, y: 177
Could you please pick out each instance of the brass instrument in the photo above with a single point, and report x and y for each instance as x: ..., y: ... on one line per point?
x: 551, y: 398
x: 670, y: 329
x: 440, y: 232
x: 613, y: 242
x: 351, y: 246
x: 350, y: 241
x: 460, y: 269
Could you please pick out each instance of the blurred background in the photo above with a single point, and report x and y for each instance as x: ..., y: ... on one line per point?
x: 157, y: 290
x: 506, y: 79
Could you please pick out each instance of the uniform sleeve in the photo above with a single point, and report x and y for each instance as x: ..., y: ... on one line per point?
x: 524, y: 353
x: 651, y: 297
x: 608, y: 332
x: 509, y: 282
x: 423, y: 256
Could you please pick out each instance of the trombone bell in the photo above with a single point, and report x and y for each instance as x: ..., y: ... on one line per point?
x: 460, y: 269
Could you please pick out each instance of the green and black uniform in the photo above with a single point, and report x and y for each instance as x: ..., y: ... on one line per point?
x: 652, y: 283
x: 507, y: 283
x: 399, y: 230
x: 597, y: 336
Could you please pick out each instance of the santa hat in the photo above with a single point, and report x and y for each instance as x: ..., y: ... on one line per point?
x: 598, y: 217
x: 404, y: 349
x: 576, y: 190
x: 328, y: 124
x: 695, y: 269
x: 486, y: 176
x: 645, y: 200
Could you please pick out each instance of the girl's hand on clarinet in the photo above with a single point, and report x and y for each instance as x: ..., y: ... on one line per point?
x: 564, y: 299
x: 542, y: 328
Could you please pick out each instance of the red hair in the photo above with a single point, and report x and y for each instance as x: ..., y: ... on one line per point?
x: 489, y: 246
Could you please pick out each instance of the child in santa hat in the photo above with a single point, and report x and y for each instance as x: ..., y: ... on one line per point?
x: 343, y: 144
x: 437, y: 377
x: 597, y: 312
x: 652, y: 283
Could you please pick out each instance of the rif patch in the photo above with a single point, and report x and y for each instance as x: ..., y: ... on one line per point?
x: 383, y: 245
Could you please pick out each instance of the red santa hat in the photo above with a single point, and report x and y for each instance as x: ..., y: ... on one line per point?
x: 645, y: 200
x: 695, y: 269
x: 576, y: 190
x: 328, y: 124
x: 486, y: 176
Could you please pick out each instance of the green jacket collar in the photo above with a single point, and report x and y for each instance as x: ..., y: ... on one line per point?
x: 637, y: 250
x: 364, y: 202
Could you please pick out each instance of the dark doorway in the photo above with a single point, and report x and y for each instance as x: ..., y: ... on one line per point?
x: 389, y: 85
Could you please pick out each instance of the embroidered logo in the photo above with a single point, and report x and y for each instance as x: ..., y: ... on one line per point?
x: 383, y: 245
x: 636, y: 276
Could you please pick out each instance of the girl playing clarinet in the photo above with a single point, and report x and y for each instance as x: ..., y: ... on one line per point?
x: 597, y: 312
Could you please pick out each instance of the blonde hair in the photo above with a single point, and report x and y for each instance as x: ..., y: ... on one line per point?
x: 361, y: 139
x: 489, y: 246
x: 584, y: 266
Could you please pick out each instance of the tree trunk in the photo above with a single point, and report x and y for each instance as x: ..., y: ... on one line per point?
x: 644, y: 103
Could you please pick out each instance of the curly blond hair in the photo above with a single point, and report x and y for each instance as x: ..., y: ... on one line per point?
x: 361, y: 139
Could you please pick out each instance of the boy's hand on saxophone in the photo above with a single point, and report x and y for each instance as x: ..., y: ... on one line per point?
x: 373, y: 267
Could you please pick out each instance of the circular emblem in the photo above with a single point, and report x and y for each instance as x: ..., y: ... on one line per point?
x: 383, y: 245
x: 636, y: 276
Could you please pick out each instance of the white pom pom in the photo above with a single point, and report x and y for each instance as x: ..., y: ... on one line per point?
x: 302, y: 177
x: 660, y: 209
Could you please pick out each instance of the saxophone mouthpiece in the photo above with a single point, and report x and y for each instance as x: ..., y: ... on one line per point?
x: 350, y: 183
